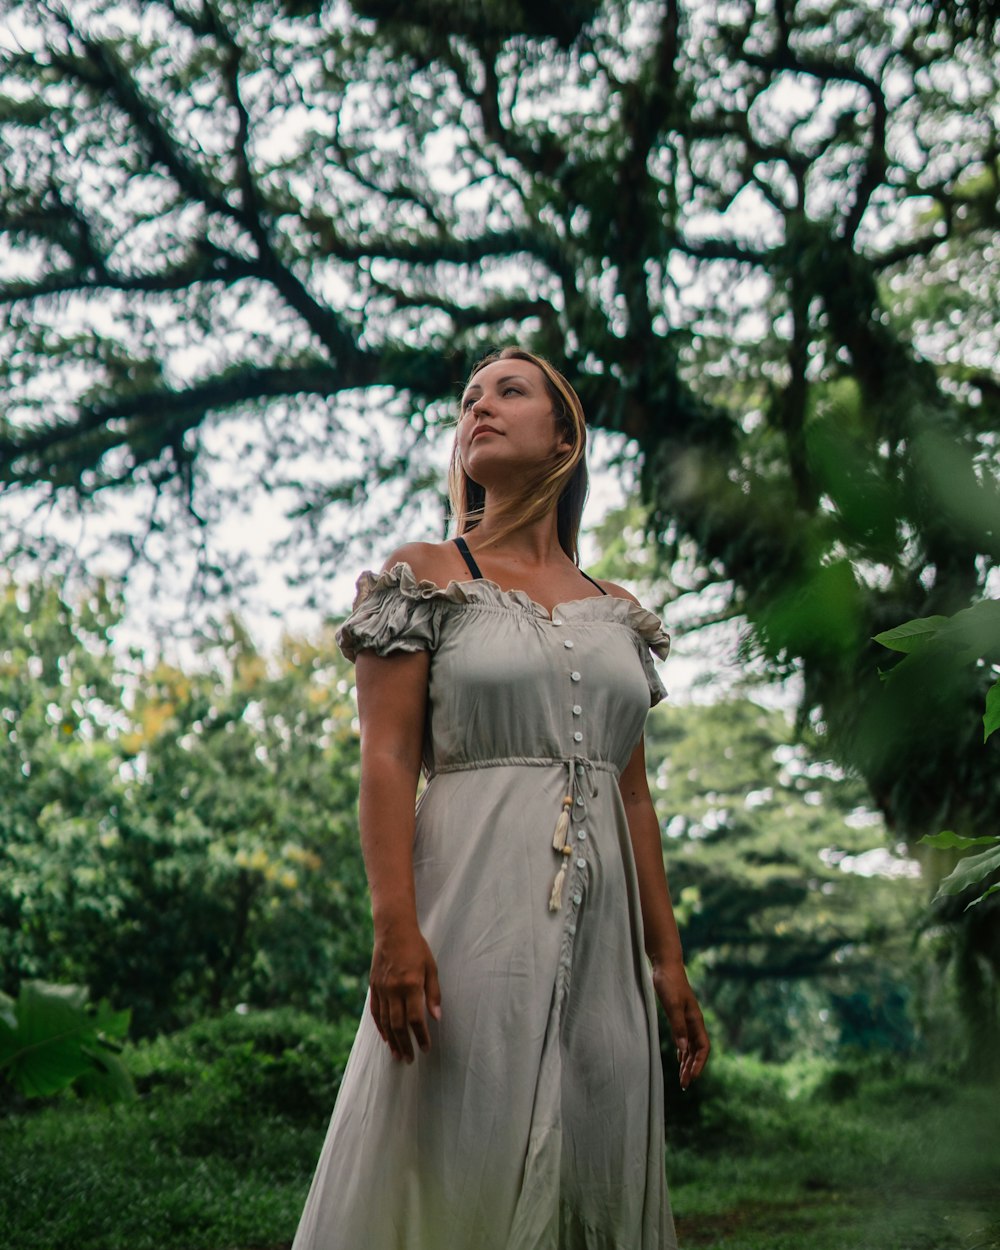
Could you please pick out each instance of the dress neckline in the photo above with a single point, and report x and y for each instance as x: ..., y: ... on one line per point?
x: 519, y: 597
x: 603, y: 609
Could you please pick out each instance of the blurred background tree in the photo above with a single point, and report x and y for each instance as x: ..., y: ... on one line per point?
x: 764, y: 241
x: 180, y: 842
x: 798, y: 923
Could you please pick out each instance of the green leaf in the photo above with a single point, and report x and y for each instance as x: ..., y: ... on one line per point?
x: 111, y: 1024
x: 991, y: 717
x: 107, y: 1078
x: 56, y: 1040
x: 977, y: 629
x: 947, y: 839
x: 992, y: 890
x: 913, y: 634
x: 43, y: 1053
x: 970, y: 872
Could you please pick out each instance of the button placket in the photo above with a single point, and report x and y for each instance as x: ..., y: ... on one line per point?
x: 576, y: 862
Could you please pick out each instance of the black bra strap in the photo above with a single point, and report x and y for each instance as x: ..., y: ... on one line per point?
x: 466, y: 554
x: 474, y: 569
x: 593, y: 583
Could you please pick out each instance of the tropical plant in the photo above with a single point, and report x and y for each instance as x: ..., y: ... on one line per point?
x: 51, y: 1038
x: 967, y: 639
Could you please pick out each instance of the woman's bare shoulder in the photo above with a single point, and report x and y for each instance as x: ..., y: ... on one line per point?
x: 429, y: 562
x: 613, y: 588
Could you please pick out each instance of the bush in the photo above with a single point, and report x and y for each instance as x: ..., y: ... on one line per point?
x: 279, y: 1062
x: 225, y: 1086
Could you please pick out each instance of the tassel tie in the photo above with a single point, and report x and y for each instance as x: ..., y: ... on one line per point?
x: 561, y: 843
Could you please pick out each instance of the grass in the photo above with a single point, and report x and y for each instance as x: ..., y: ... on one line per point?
x: 880, y: 1161
x: 218, y: 1152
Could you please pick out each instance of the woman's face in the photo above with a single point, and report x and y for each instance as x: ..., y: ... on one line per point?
x: 507, y: 423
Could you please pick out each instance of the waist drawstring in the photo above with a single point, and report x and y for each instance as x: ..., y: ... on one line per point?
x: 578, y: 766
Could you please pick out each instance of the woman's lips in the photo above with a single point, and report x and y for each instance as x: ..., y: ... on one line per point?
x: 484, y: 429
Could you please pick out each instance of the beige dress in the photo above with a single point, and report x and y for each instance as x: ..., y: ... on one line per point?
x: 536, y: 1120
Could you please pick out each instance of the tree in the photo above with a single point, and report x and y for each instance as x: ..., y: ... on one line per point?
x: 762, y: 239
x: 179, y: 841
x: 797, y: 923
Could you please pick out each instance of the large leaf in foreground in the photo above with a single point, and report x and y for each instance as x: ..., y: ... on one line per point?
x: 971, y: 871
x: 50, y: 1038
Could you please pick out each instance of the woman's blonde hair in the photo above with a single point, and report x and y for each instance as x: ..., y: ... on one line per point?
x: 562, y: 483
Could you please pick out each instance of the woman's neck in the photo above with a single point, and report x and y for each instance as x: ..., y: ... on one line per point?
x: 534, y: 544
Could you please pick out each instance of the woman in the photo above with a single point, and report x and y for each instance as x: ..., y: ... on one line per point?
x: 504, y: 1090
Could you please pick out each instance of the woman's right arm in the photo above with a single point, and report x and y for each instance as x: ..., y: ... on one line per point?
x: 392, y: 699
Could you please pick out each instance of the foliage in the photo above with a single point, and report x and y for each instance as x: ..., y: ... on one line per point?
x: 324, y: 212
x: 796, y: 921
x: 51, y: 1038
x: 810, y: 1156
x: 217, y: 1151
x: 179, y: 841
x: 969, y: 638
x: 236, y: 1069
x: 827, y: 1155
x: 971, y: 870
x: 60, y: 695
x: 763, y: 239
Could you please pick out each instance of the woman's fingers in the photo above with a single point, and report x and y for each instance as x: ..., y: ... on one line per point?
x: 375, y: 1006
x: 406, y: 1023
x: 399, y: 1031
x: 403, y: 993
x: 698, y: 1042
x: 693, y: 1052
x: 687, y: 1027
x: 433, y: 989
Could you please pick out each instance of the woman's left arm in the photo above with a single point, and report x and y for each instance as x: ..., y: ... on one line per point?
x: 663, y: 943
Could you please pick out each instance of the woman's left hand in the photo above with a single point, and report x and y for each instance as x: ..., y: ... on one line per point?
x: 687, y: 1026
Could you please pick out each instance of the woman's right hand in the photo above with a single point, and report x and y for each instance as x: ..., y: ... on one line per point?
x: 404, y: 988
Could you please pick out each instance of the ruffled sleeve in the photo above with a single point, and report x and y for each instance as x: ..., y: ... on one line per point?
x: 652, y: 640
x: 392, y: 612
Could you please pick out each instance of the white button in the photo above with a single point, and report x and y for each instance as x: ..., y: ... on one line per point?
x: 578, y: 899
x: 556, y: 620
x: 580, y: 769
x: 571, y: 928
x: 579, y: 800
x: 577, y: 709
x: 578, y: 737
x: 581, y: 863
x: 581, y: 834
x: 574, y: 676
x: 568, y: 644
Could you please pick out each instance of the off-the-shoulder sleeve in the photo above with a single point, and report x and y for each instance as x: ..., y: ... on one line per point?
x: 392, y: 612
x: 652, y: 640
